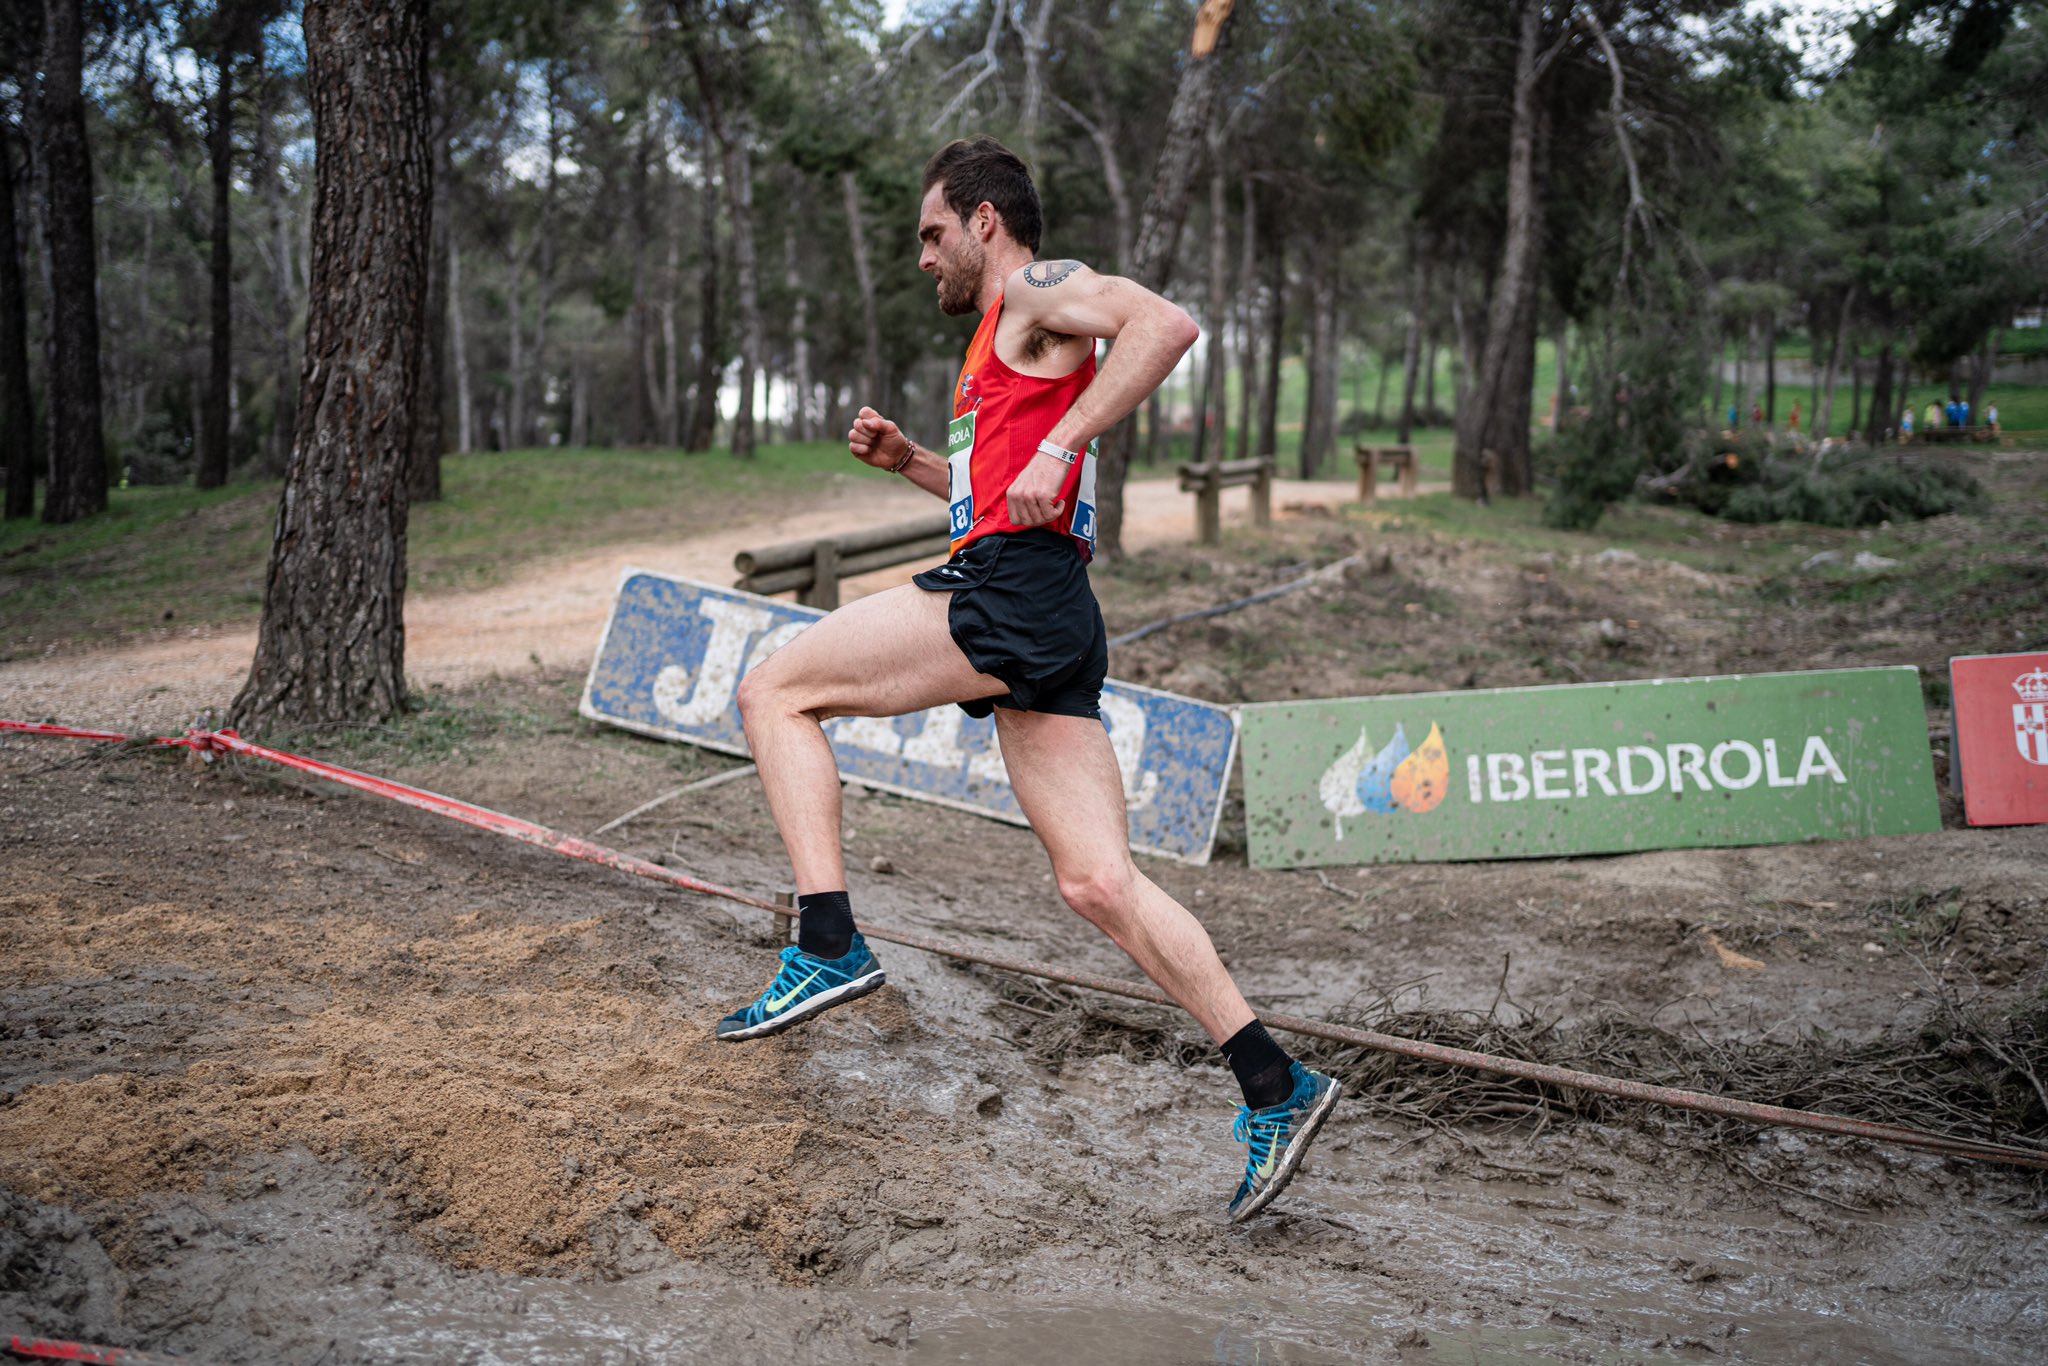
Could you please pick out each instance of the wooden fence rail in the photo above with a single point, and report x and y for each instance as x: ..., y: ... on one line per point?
x: 1207, y: 482
x: 814, y: 568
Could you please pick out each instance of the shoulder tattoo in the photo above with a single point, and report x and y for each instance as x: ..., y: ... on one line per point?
x: 1046, y: 274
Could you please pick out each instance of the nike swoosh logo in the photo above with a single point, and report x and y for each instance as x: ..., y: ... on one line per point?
x: 776, y: 1005
x: 1265, y: 1168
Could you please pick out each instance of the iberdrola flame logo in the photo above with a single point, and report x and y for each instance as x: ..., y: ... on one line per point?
x: 1395, y: 778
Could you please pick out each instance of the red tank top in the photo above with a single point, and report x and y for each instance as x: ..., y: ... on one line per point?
x: 999, y: 417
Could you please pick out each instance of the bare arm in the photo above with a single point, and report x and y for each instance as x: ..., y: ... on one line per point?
x: 877, y: 441
x: 1151, y: 336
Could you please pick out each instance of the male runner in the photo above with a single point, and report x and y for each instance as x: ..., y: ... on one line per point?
x: 1009, y: 625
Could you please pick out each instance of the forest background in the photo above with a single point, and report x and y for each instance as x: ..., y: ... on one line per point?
x: 1557, y: 242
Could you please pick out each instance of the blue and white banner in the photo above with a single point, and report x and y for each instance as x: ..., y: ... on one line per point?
x: 675, y: 650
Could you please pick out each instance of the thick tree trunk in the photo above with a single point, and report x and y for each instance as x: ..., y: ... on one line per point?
x: 331, y: 647
x: 1275, y: 295
x: 1411, y: 359
x: 1158, y: 240
x: 78, y: 453
x: 282, y: 304
x: 864, y: 280
x: 212, y: 470
x: 710, y: 339
x: 17, y: 404
x: 1494, y: 416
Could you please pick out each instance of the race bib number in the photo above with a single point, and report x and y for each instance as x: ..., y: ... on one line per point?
x: 1084, y: 497
x: 960, y: 474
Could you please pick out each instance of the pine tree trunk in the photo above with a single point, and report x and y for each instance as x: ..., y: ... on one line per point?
x: 1153, y: 250
x: 671, y: 300
x: 1824, y: 416
x: 284, y: 373
x: 78, y: 455
x: 1561, y: 404
x: 640, y: 414
x: 739, y: 186
x: 1981, y: 363
x: 1319, y: 414
x: 1770, y: 372
x: 212, y: 471
x: 1247, y: 329
x: 1411, y: 360
x: 1494, y: 416
x: 710, y: 340
x: 544, y: 302
x: 1275, y: 294
x: 458, y: 345
x: 1884, y: 409
x: 799, y: 335
x: 331, y: 647
x: 514, y: 415
x: 1210, y: 422
x: 864, y: 280
x: 17, y: 404
x: 423, y: 473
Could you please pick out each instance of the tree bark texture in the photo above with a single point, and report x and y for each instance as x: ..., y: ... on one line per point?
x: 1494, y: 414
x: 212, y: 466
x: 331, y: 647
x: 671, y: 301
x: 1212, y: 420
x: 739, y: 188
x: 1319, y: 417
x: 544, y: 301
x: 458, y: 346
x: 640, y: 416
x: 17, y: 404
x: 799, y: 334
x: 1248, y: 349
x: 703, y: 428
x: 1824, y: 416
x: 78, y: 454
x: 1153, y: 250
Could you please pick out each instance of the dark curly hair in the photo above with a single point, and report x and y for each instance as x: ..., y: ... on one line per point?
x: 978, y: 170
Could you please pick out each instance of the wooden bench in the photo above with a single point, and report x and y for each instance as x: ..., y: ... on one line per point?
x: 1207, y: 482
x: 1371, y: 458
x: 814, y: 568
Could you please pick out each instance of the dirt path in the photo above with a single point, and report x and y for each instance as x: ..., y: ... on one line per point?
x: 549, y: 616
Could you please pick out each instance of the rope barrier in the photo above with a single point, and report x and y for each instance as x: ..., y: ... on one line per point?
x: 1754, y: 1112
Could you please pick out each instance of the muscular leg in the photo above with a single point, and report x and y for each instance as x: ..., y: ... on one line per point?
x: 885, y: 655
x: 1066, y: 779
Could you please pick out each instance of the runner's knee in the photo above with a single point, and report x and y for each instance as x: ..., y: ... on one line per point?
x: 1101, y: 893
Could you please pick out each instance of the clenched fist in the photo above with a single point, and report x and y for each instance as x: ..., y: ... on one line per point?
x: 875, y: 440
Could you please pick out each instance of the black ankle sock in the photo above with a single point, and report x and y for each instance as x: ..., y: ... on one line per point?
x: 1261, y: 1066
x: 824, y: 924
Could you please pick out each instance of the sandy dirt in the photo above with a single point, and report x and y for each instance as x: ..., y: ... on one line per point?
x: 293, y: 1076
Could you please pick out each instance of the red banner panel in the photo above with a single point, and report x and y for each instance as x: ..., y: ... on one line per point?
x: 2001, y: 753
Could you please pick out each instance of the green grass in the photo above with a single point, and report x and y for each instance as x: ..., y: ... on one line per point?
x: 181, y: 557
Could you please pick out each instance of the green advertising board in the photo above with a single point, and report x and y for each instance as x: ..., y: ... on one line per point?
x: 1590, y: 768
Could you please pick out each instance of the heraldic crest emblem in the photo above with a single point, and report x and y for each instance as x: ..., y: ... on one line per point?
x: 2030, y: 716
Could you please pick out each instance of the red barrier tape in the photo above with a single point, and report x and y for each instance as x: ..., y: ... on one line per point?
x: 55, y: 1349
x: 227, y: 741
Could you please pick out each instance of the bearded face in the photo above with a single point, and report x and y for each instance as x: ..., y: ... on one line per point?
x: 959, y: 272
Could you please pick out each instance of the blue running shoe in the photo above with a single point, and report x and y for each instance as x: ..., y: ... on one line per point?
x: 1279, y: 1136
x: 805, y: 986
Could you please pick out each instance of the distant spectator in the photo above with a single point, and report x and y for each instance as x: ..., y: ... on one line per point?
x: 1793, y: 421
x: 1991, y: 417
x: 1734, y: 416
x: 1756, y: 414
x: 1962, y: 412
x: 1952, y: 413
x: 1933, y: 418
x: 1906, y: 427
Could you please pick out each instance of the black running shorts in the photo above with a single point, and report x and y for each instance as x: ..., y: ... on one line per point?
x: 1023, y: 612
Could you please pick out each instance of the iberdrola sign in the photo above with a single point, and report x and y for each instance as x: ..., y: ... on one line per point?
x: 1589, y: 768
